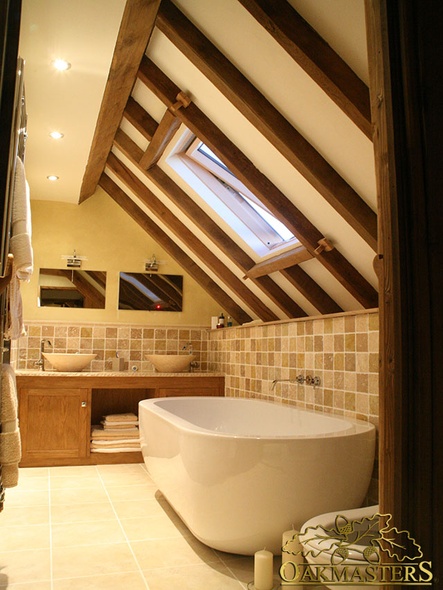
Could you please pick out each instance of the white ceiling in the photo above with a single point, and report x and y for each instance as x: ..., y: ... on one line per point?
x: 64, y: 101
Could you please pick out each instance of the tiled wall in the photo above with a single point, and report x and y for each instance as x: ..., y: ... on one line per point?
x: 131, y: 342
x: 341, y: 350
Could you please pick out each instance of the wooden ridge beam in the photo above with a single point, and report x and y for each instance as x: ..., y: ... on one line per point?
x: 280, y: 206
x: 316, y: 57
x: 268, y: 121
x: 135, y: 31
x: 208, y: 226
x: 279, y: 262
x: 150, y: 227
x: 205, y: 254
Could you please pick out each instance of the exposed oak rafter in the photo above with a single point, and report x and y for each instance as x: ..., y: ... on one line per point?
x: 134, y: 34
x: 208, y: 226
x: 280, y: 262
x: 316, y: 57
x: 128, y: 205
x: 254, y: 106
x: 267, y: 192
x: 182, y: 232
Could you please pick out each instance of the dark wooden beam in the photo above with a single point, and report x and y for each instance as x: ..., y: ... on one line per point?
x: 259, y: 184
x: 193, y: 269
x: 208, y: 226
x: 140, y: 119
x: 311, y: 290
x: 316, y: 57
x: 133, y: 37
x: 268, y: 121
x: 165, y: 131
x: 180, y: 229
x: 279, y: 262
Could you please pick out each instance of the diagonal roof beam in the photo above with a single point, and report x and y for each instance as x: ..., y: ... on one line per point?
x: 150, y: 227
x: 259, y: 111
x: 316, y: 57
x: 133, y: 37
x: 181, y: 230
x: 208, y: 226
x: 280, y: 206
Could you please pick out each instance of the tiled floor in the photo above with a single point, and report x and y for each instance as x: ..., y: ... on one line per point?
x: 104, y: 527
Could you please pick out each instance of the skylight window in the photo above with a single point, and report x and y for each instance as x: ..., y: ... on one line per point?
x: 238, y: 200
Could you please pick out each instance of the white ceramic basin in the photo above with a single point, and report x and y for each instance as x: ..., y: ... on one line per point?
x: 69, y: 362
x: 171, y: 363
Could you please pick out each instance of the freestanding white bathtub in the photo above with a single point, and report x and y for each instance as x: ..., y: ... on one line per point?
x: 239, y: 472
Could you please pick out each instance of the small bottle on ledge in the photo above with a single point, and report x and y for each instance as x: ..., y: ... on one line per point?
x: 221, y: 321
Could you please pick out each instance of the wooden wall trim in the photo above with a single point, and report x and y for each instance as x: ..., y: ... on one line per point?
x: 406, y: 58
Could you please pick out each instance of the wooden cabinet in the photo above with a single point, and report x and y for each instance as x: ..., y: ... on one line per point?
x: 54, y: 424
x: 56, y: 411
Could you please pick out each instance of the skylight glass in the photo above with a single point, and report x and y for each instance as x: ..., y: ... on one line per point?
x: 238, y: 199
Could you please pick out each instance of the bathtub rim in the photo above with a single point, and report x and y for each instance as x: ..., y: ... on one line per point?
x: 356, y: 426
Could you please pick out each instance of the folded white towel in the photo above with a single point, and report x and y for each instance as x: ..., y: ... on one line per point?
x: 116, y: 450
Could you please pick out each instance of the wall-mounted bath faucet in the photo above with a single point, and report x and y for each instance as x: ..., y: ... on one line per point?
x: 300, y: 379
x: 188, y: 347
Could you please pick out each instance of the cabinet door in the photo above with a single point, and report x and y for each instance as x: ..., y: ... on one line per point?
x: 54, y: 423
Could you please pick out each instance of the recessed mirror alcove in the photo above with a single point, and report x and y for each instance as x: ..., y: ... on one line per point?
x: 150, y: 291
x: 72, y: 288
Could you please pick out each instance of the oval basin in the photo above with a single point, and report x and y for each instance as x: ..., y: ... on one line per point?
x: 171, y: 363
x: 69, y: 362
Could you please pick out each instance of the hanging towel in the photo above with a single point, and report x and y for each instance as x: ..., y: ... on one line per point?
x: 10, y: 442
x: 21, y: 227
x: 21, y: 247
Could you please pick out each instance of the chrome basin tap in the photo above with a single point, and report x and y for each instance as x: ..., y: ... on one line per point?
x: 41, y: 361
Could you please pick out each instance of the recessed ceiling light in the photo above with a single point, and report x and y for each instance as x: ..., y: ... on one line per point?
x: 52, y: 177
x: 56, y: 135
x: 61, y: 64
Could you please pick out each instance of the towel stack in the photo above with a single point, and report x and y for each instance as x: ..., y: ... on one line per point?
x: 10, y: 442
x: 117, y: 433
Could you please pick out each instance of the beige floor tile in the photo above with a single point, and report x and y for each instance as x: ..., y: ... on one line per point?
x: 26, y: 566
x: 138, y: 508
x: 154, y: 527
x: 26, y: 515
x: 129, y: 492
x: 79, y: 495
x: 18, y: 497
x: 33, y: 472
x: 121, y: 468
x: 73, y: 471
x: 87, y: 533
x: 126, y: 581
x: 181, y: 551
x: 14, y: 538
x: 114, y: 478
x: 33, y: 483
x: 194, y: 577
x: 241, y: 566
x: 92, y: 560
x: 81, y: 512
x: 75, y: 483
x: 30, y: 586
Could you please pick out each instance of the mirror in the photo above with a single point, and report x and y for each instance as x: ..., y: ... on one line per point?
x: 72, y: 288
x: 149, y: 291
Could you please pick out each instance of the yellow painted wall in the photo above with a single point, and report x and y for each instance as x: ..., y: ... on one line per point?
x: 112, y: 242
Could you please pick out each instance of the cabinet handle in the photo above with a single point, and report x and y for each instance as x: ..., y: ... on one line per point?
x: 84, y: 404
